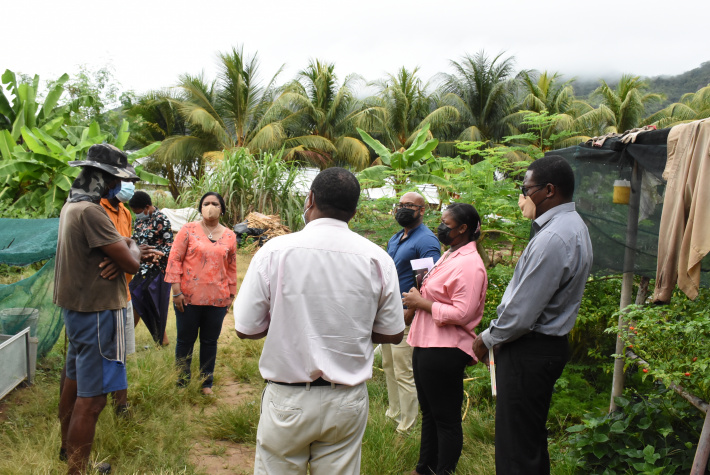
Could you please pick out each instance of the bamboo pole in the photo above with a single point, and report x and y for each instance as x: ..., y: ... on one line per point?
x: 627, y: 282
x: 700, y: 462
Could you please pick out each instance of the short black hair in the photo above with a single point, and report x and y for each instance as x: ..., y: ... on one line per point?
x: 336, y: 192
x: 464, y: 213
x: 219, y: 197
x: 555, y: 170
x: 140, y: 200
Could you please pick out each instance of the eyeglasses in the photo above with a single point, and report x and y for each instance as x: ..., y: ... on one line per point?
x: 524, y: 189
x: 407, y: 205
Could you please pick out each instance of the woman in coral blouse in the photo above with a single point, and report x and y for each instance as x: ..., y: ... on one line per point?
x: 203, y: 271
x: 448, y: 308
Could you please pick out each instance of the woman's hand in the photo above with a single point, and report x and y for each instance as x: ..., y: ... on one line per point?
x: 179, y: 302
x: 413, y: 299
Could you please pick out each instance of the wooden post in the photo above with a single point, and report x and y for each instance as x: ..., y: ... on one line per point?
x: 701, y: 454
x: 627, y: 283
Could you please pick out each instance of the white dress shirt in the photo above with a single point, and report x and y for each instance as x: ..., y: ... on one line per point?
x: 320, y: 292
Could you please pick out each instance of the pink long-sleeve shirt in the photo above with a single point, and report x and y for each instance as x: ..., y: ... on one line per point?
x: 206, y: 271
x: 457, y: 285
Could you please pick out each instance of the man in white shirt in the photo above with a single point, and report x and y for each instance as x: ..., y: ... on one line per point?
x: 323, y: 295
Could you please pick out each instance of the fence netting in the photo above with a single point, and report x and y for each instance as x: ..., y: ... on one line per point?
x: 596, y: 169
x: 28, y: 303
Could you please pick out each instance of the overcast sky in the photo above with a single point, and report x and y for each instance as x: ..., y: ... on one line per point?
x: 149, y: 43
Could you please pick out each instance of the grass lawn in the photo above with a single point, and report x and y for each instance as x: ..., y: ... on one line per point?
x: 175, y: 430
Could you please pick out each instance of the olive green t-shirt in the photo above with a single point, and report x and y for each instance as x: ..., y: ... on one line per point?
x: 84, y: 227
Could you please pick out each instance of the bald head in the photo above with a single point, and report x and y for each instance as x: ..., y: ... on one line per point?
x: 413, y: 197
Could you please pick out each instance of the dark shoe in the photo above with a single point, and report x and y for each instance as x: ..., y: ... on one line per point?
x: 103, y: 468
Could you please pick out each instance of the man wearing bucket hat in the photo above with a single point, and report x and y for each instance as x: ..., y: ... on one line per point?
x: 93, y: 300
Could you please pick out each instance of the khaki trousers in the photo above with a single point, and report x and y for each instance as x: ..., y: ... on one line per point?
x: 320, y: 426
x: 401, y: 391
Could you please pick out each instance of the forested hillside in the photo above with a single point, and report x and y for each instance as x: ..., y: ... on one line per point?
x: 673, y: 87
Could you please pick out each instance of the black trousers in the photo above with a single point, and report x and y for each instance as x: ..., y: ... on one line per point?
x: 438, y: 376
x: 206, y: 321
x: 526, y: 371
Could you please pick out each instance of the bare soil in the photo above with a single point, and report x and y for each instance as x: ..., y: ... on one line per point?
x: 222, y: 456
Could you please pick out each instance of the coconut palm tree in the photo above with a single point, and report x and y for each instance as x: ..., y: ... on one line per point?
x: 406, y: 108
x: 320, y: 118
x: 224, y: 113
x: 621, y: 109
x: 157, y: 119
x: 481, y: 89
x: 692, y: 106
x: 546, y: 93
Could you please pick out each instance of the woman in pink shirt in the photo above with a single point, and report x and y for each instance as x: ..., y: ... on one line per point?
x: 203, y: 270
x: 448, y: 308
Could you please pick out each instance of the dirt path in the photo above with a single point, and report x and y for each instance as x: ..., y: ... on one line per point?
x: 222, y: 456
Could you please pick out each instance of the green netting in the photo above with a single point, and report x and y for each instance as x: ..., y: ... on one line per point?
x: 596, y: 169
x: 26, y: 241
x: 28, y: 303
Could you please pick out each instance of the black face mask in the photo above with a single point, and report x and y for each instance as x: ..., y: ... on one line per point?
x: 405, y: 216
x: 442, y: 232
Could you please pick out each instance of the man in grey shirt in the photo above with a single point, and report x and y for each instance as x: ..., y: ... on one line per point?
x: 538, y: 310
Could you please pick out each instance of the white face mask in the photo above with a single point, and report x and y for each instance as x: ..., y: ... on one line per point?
x: 527, y: 206
x: 305, y: 221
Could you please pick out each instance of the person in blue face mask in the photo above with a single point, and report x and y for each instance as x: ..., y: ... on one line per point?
x: 150, y: 294
x: 114, y: 206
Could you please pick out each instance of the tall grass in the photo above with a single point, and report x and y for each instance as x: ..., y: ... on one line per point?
x: 166, y: 422
x: 262, y: 183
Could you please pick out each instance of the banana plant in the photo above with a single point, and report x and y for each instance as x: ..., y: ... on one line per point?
x: 414, y: 165
x: 36, y: 171
x: 24, y: 110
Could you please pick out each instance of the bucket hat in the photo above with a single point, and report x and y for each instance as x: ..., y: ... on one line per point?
x: 110, y: 159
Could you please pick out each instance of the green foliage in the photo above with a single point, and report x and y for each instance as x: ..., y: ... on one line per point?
x: 35, y: 152
x: 588, y: 341
x: 652, y: 433
x: 262, y: 183
x: 416, y: 164
x: 37, y: 173
x: 543, y: 133
x: 100, y: 98
x: 673, y: 340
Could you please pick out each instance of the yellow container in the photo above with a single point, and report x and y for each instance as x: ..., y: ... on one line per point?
x: 622, y: 191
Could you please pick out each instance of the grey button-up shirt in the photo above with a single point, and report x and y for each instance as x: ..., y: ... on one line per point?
x: 546, y: 290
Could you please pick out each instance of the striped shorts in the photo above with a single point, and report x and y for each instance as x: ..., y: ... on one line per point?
x: 96, y: 355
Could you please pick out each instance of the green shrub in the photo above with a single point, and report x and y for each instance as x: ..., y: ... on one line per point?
x: 655, y: 432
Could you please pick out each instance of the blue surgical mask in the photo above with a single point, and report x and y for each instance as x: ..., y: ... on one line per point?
x: 114, y: 191
x: 127, y: 190
x: 142, y: 215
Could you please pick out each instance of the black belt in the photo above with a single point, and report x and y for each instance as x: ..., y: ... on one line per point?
x: 542, y: 336
x: 317, y: 382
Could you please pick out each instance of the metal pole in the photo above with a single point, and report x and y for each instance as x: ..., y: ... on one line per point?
x: 627, y: 283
